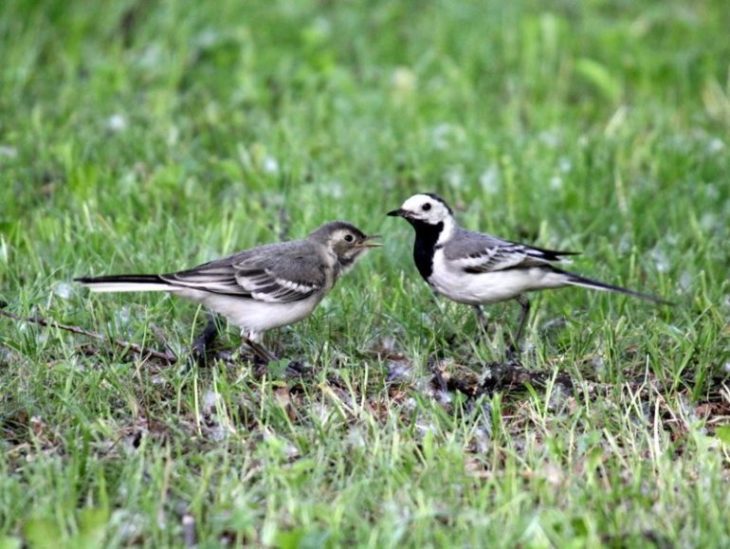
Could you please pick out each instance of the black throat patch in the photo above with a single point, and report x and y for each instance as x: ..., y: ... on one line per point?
x: 425, y: 245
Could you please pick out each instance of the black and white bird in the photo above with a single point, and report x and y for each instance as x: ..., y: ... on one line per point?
x: 478, y: 269
x: 262, y: 288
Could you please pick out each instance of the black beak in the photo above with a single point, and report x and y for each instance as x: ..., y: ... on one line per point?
x: 400, y: 212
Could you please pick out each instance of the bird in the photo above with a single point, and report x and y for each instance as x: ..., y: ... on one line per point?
x: 261, y: 288
x: 479, y: 269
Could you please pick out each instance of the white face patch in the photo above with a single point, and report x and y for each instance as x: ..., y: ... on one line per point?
x: 427, y: 209
x: 340, y: 238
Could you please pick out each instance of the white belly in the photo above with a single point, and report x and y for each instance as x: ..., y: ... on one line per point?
x: 251, y: 315
x: 481, y: 288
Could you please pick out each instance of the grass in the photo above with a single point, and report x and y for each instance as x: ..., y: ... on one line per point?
x: 145, y: 136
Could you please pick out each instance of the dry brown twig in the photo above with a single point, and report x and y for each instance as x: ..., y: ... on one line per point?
x: 168, y: 356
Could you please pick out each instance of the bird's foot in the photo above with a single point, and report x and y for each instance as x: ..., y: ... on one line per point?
x: 199, y: 353
x: 226, y: 356
x: 281, y: 369
x: 202, y: 343
x: 513, y: 355
x: 261, y: 354
x: 296, y: 368
x: 264, y: 358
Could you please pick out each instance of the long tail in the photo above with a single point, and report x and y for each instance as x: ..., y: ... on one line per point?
x: 577, y: 280
x: 125, y: 283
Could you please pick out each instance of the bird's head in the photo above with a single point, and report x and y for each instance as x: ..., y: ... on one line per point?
x: 345, y: 241
x: 425, y: 208
x: 429, y: 214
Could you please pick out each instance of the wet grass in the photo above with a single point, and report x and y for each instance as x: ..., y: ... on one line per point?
x: 153, y: 136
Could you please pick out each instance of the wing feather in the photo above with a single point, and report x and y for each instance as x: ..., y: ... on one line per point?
x: 276, y: 273
x: 480, y: 253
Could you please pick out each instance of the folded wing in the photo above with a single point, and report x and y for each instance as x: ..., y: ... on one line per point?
x: 481, y: 253
x: 277, y: 273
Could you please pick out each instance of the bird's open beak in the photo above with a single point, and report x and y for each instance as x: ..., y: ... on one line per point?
x: 400, y: 212
x: 369, y: 242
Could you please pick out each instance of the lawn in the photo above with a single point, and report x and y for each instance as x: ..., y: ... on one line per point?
x: 141, y: 136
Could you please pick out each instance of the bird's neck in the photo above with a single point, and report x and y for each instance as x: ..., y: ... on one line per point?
x: 427, y: 238
x: 344, y: 264
x: 332, y: 272
x: 447, y: 231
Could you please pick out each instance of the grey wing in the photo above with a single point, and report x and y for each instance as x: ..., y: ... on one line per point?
x: 481, y: 253
x: 276, y: 273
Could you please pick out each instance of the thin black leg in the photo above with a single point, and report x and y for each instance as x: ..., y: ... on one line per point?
x: 481, y: 319
x: 524, y: 315
x: 480, y: 315
x: 203, y: 341
x: 259, y: 350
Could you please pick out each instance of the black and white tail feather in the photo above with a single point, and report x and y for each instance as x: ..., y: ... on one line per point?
x: 530, y: 256
x: 583, y: 282
x: 125, y: 283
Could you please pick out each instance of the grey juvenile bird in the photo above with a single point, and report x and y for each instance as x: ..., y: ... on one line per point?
x: 477, y: 269
x: 262, y: 288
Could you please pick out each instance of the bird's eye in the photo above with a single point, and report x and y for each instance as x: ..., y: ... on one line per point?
x: 349, y: 238
x: 426, y: 206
